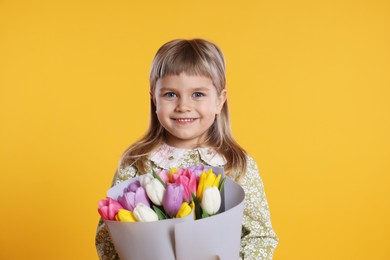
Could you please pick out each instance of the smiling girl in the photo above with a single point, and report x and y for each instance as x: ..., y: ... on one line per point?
x: 189, y: 125
x: 186, y: 107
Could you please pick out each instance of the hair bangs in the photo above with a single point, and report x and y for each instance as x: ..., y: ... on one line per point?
x: 193, y: 58
x: 189, y: 63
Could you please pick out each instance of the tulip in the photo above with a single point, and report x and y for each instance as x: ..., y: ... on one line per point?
x: 145, y: 179
x: 188, y: 180
x: 133, y: 186
x: 125, y: 216
x: 144, y: 214
x: 154, y: 188
x: 185, y: 209
x: 211, y: 201
x: 133, y: 195
x: 173, y: 199
x: 108, y: 208
x: 207, y: 180
x: 163, y: 174
x: 155, y: 191
x: 185, y: 177
x: 171, y: 174
x: 198, y: 170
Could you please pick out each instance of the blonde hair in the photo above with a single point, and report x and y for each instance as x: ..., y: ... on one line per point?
x: 192, y: 57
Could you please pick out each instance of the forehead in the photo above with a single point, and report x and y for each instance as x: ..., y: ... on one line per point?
x: 184, y: 81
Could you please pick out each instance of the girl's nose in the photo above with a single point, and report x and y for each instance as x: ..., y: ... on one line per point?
x: 183, y: 105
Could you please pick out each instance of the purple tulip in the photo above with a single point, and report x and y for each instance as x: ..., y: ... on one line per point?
x: 173, y: 198
x: 133, y: 186
x: 133, y: 195
x: 198, y: 170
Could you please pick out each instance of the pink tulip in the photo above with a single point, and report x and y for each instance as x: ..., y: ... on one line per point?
x: 163, y: 174
x: 133, y: 195
x: 176, y: 175
x: 188, y: 180
x: 108, y: 208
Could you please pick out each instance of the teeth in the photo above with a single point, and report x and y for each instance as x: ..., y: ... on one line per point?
x: 184, y: 119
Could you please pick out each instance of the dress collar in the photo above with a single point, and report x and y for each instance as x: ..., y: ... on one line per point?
x: 167, y: 156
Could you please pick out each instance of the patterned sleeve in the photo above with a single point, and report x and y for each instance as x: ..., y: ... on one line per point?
x: 104, y: 246
x: 258, y: 238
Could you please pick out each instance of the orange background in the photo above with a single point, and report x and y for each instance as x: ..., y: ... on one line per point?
x: 309, y: 94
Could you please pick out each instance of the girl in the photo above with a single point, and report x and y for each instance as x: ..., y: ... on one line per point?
x: 189, y: 125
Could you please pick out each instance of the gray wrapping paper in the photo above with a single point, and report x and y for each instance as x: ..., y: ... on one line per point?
x: 215, y: 237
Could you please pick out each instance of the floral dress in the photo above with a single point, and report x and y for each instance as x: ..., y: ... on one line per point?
x: 258, y: 240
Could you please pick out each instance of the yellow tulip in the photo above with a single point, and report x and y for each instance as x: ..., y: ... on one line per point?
x: 185, y: 209
x: 201, y: 184
x: 125, y: 216
x: 207, y: 180
x: 216, y: 181
x: 171, y: 172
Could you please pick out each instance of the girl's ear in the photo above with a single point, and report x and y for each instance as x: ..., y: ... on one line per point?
x: 221, y: 100
x: 152, y: 97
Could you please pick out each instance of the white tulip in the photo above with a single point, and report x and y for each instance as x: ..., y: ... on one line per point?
x: 211, y: 201
x: 144, y: 214
x: 155, y: 191
x: 145, y: 179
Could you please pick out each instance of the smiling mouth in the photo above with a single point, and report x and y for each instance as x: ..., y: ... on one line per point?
x: 184, y: 120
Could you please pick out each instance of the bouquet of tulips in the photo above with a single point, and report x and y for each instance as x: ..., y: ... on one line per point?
x: 159, y: 215
x: 176, y: 193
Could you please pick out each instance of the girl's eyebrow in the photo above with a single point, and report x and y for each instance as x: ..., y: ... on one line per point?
x: 203, y: 89
x: 162, y: 89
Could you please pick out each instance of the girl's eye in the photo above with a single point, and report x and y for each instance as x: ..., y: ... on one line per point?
x: 170, y: 94
x: 198, y: 94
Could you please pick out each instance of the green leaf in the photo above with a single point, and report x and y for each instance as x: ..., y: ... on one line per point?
x: 155, y: 175
x: 221, y: 184
x: 161, y: 215
x: 198, y: 208
x: 204, y: 214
